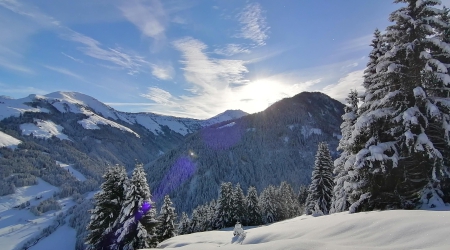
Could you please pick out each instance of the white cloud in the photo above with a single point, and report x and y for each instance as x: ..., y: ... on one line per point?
x: 163, y: 72
x: 72, y: 58
x: 340, y: 90
x: 159, y: 96
x: 148, y: 16
x: 93, y: 48
x: 8, y: 64
x: 64, y: 71
x: 208, y: 74
x: 232, y: 49
x: 254, y: 26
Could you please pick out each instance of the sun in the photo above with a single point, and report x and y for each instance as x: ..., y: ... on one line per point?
x: 260, y: 94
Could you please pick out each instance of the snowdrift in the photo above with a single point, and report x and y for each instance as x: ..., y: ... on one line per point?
x: 396, y: 229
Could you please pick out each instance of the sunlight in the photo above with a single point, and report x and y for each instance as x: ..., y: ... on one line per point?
x: 260, y: 94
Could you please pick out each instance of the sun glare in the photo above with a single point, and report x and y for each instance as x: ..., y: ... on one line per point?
x: 260, y: 94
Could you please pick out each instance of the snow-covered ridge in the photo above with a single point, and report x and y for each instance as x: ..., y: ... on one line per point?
x: 395, y: 229
x: 101, y: 114
x: 43, y: 129
x: 8, y: 141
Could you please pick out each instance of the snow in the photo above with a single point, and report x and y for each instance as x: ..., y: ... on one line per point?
x: 8, y: 141
x: 93, y: 120
x: 395, y: 229
x: 79, y: 176
x: 63, y: 238
x: 307, y: 131
x: 231, y: 124
x: 15, y: 107
x: 225, y: 116
x: 43, y: 129
x: 18, y: 226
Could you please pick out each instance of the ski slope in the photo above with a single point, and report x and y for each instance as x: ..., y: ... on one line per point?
x: 395, y: 229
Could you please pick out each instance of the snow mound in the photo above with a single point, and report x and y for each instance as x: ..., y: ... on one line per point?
x: 43, y: 129
x: 8, y: 141
x: 395, y: 229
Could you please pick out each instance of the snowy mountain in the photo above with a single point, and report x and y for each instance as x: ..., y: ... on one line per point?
x: 398, y: 229
x: 278, y: 144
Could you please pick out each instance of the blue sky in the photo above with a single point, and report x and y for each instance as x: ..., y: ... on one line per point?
x: 193, y: 58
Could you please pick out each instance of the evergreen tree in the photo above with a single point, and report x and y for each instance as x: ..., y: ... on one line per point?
x: 167, y: 217
x: 136, y: 222
x: 342, y: 164
x: 108, y: 203
x: 238, y: 205
x: 270, y: 209
x: 321, y: 187
x: 252, y: 206
x: 289, y: 203
x: 398, y: 161
x: 224, y: 206
x: 184, y: 226
x: 302, y: 195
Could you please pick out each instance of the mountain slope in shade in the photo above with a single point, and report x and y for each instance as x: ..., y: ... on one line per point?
x: 278, y: 144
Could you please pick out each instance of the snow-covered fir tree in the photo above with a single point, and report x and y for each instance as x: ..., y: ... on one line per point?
x: 321, y: 188
x: 289, y: 203
x: 238, y: 205
x: 108, y: 203
x: 167, y: 218
x: 252, y: 206
x: 398, y: 161
x: 224, y: 206
x: 339, y: 201
x: 136, y: 223
x: 269, y: 204
x: 184, y: 225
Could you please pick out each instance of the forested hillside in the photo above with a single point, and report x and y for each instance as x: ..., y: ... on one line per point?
x: 278, y: 144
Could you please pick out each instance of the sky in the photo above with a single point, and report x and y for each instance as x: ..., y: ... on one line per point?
x: 193, y: 58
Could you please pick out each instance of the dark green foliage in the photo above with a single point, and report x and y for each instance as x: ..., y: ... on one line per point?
x: 167, y: 218
x: 253, y: 210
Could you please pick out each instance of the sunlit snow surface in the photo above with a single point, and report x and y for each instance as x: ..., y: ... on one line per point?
x: 79, y: 176
x: 8, y: 141
x: 43, y: 129
x: 396, y: 229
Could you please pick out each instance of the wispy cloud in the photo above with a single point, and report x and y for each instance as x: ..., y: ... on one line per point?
x: 64, y: 72
x: 162, y: 71
x: 148, y: 16
x: 206, y: 73
x: 159, y: 96
x: 254, y: 25
x: 340, y: 90
x: 9, y: 65
x: 72, y: 58
x: 232, y: 49
x: 93, y: 48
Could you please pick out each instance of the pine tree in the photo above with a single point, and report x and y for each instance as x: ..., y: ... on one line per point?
x: 238, y: 205
x: 108, y: 203
x: 167, y: 217
x: 321, y: 187
x: 397, y: 162
x: 342, y: 164
x: 184, y: 226
x: 136, y: 222
x: 289, y: 203
x: 252, y: 206
x: 302, y: 195
x: 224, y: 206
x: 270, y: 208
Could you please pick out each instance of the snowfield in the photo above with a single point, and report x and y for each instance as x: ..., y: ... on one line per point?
x: 8, y: 141
x: 395, y: 229
x: 43, y: 129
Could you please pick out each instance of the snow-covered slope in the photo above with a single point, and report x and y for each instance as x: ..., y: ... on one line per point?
x: 99, y: 113
x: 43, y: 129
x: 8, y: 141
x: 397, y: 229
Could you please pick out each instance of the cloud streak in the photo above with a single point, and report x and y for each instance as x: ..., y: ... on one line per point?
x: 159, y: 96
x: 163, y: 72
x: 64, y: 72
x: 254, y: 25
